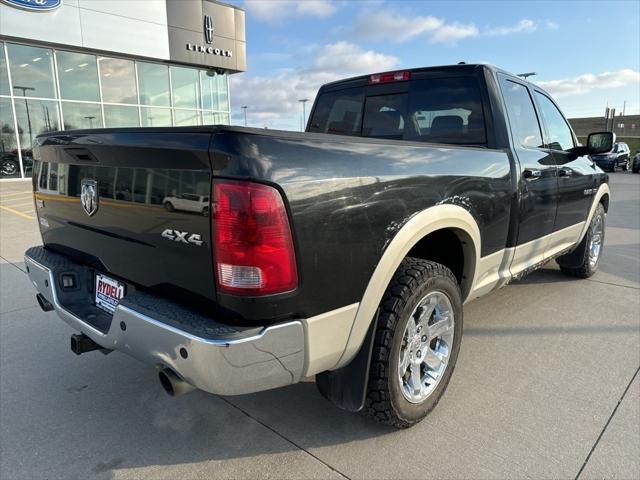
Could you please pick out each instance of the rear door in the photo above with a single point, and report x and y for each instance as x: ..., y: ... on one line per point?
x: 576, y: 175
x: 538, y: 181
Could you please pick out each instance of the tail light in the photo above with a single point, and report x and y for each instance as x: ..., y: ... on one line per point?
x: 252, y: 244
x: 389, y: 77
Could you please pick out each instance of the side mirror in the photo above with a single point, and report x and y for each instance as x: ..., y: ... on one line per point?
x: 600, y: 142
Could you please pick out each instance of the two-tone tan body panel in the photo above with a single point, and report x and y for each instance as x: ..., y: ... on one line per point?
x: 332, y: 340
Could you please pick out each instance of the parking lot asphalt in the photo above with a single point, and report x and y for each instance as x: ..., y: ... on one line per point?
x: 546, y: 386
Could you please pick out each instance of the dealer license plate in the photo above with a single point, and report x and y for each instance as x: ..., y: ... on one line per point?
x: 108, y: 293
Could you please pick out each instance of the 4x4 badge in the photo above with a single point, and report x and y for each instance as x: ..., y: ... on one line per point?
x: 89, y: 196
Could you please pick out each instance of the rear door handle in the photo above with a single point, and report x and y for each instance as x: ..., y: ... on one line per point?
x: 532, y: 173
x: 564, y: 172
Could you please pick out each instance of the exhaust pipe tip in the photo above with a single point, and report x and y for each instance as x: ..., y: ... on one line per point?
x: 45, y: 305
x: 173, y: 384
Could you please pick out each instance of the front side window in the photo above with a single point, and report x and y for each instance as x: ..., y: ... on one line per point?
x: 560, y: 137
x: 31, y: 71
x: 522, y: 115
x: 78, y: 76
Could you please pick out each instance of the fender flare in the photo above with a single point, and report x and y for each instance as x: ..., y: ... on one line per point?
x: 419, y: 226
x: 603, y: 190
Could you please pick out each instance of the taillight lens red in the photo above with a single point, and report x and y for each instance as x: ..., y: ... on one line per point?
x: 389, y: 77
x: 252, y: 244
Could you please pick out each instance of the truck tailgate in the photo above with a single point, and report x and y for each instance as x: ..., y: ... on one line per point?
x: 131, y: 203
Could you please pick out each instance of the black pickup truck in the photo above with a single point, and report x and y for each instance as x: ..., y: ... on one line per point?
x: 345, y: 252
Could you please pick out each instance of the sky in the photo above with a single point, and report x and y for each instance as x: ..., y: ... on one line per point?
x: 586, y: 54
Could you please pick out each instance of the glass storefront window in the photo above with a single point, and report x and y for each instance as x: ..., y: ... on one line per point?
x: 31, y: 71
x: 155, y: 117
x: 153, y: 80
x: 121, y: 116
x: 187, y: 117
x: 118, y: 79
x: 62, y: 90
x: 78, y: 76
x: 186, y: 92
x: 4, y: 77
x: 209, y: 86
x: 223, y: 93
x: 9, y: 161
x: 34, y: 117
x: 215, y: 118
x: 81, y: 115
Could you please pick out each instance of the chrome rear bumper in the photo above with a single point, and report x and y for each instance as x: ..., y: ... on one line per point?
x: 210, y: 356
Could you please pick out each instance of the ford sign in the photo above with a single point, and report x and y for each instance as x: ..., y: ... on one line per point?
x: 36, y: 5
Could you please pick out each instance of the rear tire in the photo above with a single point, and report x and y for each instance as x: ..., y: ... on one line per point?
x: 420, y: 320
x: 169, y: 206
x: 583, y: 261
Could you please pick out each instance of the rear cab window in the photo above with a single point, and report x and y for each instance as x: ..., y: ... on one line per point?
x: 435, y: 110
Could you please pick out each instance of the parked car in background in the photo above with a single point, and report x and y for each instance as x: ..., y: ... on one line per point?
x: 635, y: 165
x: 10, y: 165
x: 187, y: 202
x: 618, y: 157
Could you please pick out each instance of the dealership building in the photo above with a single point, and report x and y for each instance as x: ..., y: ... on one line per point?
x: 69, y: 64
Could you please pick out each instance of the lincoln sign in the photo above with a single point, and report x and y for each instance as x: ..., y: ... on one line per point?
x: 209, y: 50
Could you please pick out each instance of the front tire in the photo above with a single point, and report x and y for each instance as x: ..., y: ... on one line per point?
x: 416, y: 345
x: 169, y: 206
x: 625, y: 166
x: 583, y: 261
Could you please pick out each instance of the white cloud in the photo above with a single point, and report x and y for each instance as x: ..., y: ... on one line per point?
x: 396, y: 28
x: 523, y: 26
x: 273, y: 100
x: 551, y: 25
x: 453, y: 32
x: 317, y: 8
x: 275, y: 10
x: 589, y: 81
x: 386, y: 25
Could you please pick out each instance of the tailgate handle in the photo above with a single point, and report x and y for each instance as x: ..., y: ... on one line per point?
x: 81, y: 154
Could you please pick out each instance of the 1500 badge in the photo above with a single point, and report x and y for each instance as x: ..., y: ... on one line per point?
x: 182, y: 237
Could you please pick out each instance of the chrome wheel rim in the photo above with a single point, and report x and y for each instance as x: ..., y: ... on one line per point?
x: 8, y: 168
x: 426, y: 346
x: 595, y: 245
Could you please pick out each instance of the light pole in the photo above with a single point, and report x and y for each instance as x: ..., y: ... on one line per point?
x: 91, y: 118
x: 244, y: 108
x: 26, y: 106
x: 303, y: 101
x: 527, y: 75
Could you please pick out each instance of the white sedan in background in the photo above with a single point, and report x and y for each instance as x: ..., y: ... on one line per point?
x: 187, y: 202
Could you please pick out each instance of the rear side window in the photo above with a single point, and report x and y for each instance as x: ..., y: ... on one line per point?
x: 446, y: 110
x: 339, y: 112
x: 522, y: 115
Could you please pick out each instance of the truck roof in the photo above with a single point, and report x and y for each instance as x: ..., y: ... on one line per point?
x: 459, y: 69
